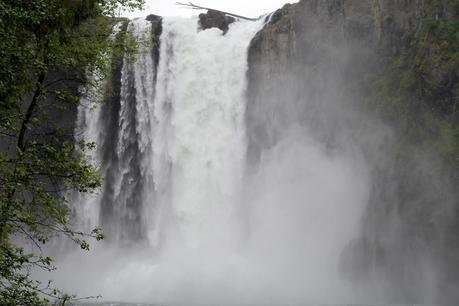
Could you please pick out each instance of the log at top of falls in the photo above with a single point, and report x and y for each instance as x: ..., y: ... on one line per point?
x: 198, y: 7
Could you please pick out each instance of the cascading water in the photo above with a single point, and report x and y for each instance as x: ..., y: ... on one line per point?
x: 124, y: 204
x: 203, y: 225
x: 88, y: 129
x: 200, y: 131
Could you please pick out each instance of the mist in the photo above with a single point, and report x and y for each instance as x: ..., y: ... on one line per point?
x: 284, y: 246
x: 250, y: 176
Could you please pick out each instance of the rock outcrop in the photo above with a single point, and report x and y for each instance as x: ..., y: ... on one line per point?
x: 215, y: 19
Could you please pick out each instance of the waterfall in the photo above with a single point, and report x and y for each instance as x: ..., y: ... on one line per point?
x: 123, y: 208
x: 200, y: 143
x: 188, y: 217
x: 180, y: 147
x: 119, y: 209
x: 89, y: 129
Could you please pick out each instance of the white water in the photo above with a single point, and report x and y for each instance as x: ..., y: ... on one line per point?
x: 200, y: 129
x: 88, y: 129
x: 134, y: 123
x: 221, y: 231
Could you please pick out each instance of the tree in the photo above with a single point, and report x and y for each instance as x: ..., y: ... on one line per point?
x: 47, y: 48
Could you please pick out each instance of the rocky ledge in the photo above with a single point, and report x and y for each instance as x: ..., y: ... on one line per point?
x: 215, y: 19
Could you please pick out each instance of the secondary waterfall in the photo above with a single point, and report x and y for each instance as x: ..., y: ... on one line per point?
x: 89, y: 129
x: 188, y: 218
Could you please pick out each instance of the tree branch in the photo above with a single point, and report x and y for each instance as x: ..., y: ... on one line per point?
x: 198, y: 7
x: 51, y: 83
x: 33, y: 104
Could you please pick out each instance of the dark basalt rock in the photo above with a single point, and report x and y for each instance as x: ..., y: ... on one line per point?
x: 156, y: 31
x: 153, y: 18
x: 215, y: 19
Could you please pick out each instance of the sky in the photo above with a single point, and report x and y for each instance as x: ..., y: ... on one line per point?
x: 248, y: 8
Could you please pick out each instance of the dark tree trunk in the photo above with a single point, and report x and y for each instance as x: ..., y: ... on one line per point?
x: 30, y: 110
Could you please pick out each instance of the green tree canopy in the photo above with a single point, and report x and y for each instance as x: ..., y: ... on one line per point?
x: 44, y: 46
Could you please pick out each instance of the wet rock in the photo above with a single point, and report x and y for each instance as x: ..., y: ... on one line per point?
x: 153, y: 18
x: 215, y: 19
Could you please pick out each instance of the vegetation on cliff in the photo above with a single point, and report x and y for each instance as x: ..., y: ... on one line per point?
x: 47, y: 48
x: 417, y: 93
x: 418, y: 90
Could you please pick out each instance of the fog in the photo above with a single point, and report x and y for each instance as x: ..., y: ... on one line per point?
x: 257, y: 184
x: 302, y: 209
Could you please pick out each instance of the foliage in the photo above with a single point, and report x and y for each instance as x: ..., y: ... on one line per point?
x: 419, y: 90
x: 47, y: 48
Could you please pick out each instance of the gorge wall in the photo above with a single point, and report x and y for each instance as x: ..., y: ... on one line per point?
x: 381, y: 75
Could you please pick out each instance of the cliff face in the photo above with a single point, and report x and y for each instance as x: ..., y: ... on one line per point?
x: 380, y: 76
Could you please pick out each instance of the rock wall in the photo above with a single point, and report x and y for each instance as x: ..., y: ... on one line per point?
x: 215, y: 19
x: 380, y: 76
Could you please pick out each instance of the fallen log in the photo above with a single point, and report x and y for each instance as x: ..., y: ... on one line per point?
x: 198, y: 7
